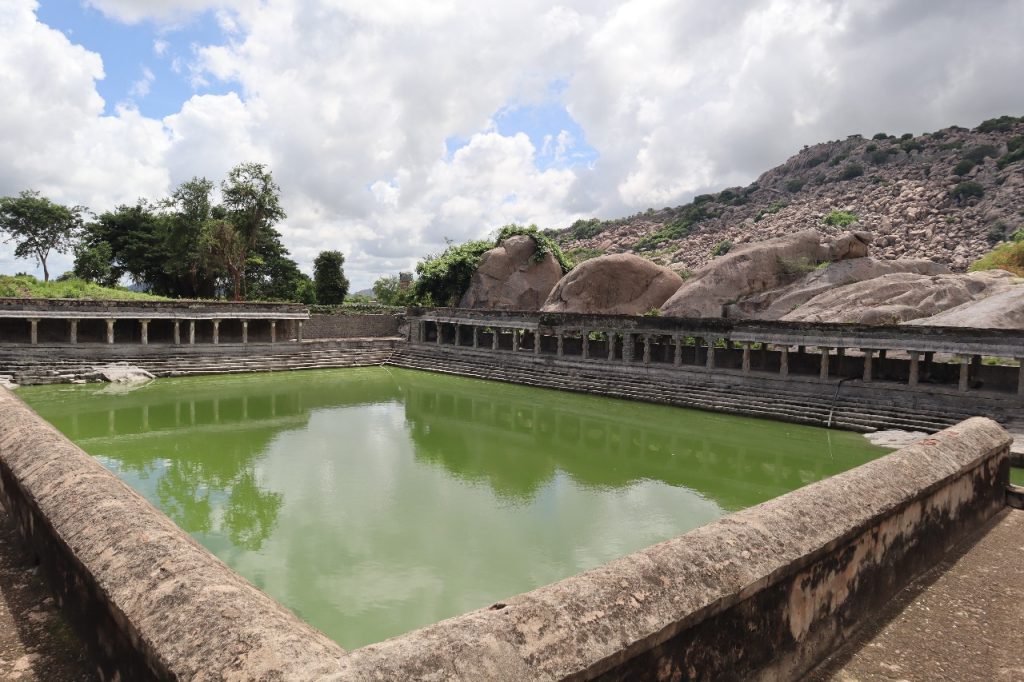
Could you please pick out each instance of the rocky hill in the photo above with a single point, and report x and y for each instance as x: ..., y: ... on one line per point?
x: 948, y: 196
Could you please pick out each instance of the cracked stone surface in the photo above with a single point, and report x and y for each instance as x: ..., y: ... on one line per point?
x: 960, y: 621
x: 35, y: 641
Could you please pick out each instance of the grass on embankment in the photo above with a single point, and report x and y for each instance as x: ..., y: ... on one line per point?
x: 27, y: 286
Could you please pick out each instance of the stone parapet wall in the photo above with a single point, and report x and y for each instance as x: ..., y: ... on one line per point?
x: 762, y: 594
x: 350, y: 326
x: 71, y: 305
x: 151, y: 602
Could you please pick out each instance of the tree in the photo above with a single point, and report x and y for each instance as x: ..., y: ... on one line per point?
x: 329, y: 277
x: 190, y: 208
x: 443, y: 278
x: 94, y: 263
x: 386, y: 289
x: 223, y: 246
x: 251, y: 203
x: 39, y: 226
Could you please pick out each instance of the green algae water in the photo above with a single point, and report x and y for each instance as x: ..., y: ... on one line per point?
x: 374, y: 501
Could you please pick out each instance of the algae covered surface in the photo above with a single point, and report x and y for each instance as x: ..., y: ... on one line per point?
x: 373, y: 501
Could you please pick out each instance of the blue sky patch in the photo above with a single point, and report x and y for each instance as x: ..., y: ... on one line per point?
x: 128, y: 53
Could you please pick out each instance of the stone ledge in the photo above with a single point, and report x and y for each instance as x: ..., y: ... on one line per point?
x: 149, y: 600
x: 764, y: 593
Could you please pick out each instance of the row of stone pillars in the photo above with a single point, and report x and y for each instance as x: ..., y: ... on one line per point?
x: 966, y: 362
x: 144, y: 331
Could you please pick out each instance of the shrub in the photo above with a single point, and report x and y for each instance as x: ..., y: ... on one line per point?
x: 583, y: 253
x: 840, y: 218
x: 911, y: 145
x: 880, y: 136
x: 955, y: 144
x: 443, y: 278
x: 702, y: 199
x: 1002, y: 124
x: 794, y: 185
x: 721, y: 248
x: 1008, y: 257
x: 816, y: 160
x: 1018, y: 236
x: 796, y: 267
x: 838, y: 159
x: 1014, y: 152
x: 773, y: 208
x: 996, y: 233
x: 851, y: 171
x: 677, y: 229
x: 963, y: 168
x: 907, y: 136
x: 545, y: 244
x: 977, y: 154
x: 966, y: 190
x: 878, y: 157
x: 585, y: 229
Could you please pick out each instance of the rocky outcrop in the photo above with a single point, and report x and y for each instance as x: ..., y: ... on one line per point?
x: 754, y: 268
x: 1002, y: 310
x: 903, y: 189
x: 509, y: 278
x: 622, y: 284
x: 773, y: 304
x: 901, y: 297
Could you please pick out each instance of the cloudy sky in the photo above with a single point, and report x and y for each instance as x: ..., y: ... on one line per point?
x: 392, y: 124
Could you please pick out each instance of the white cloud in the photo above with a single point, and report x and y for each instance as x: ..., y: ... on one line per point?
x: 141, y: 87
x: 160, y: 47
x: 351, y: 103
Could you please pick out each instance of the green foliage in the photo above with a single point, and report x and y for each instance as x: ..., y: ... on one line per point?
x: 38, y: 226
x: 948, y: 146
x: 545, y: 244
x: 910, y: 145
x: 878, y: 157
x: 870, y: 148
x: 963, y: 168
x: 653, y: 312
x: 687, y: 217
x: 880, y: 136
x: 996, y: 233
x: 1018, y: 236
x: 851, y: 171
x: 796, y: 267
x: 1014, y: 152
x: 583, y: 253
x: 966, y: 190
x: 773, y: 208
x: 816, y: 160
x: 978, y: 153
x: 27, y: 286
x: 721, y: 248
x: 93, y: 264
x: 840, y: 218
x: 388, y: 291
x: 1008, y: 257
x: 443, y: 278
x: 794, y: 185
x: 585, y: 229
x: 838, y: 159
x: 703, y: 199
x: 329, y: 278
x: 907, y: 136
x: 1003, y: 124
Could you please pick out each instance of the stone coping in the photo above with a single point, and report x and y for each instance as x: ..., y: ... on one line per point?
x: 153, y: 602
x: 158, y: 604
x: 37, y: 303
x: 956, y: 340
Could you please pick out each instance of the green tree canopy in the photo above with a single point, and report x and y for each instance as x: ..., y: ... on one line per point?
x: 329, y: 277
x: 39, y: 227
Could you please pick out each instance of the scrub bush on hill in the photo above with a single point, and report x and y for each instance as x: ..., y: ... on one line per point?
x: 1009, y: 257
x: 840, y: 218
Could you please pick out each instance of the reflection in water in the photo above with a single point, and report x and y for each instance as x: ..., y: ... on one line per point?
x: 373, y: 501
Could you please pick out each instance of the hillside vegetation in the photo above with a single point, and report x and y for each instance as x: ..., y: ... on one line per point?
x: 27, y: 286
x: 950, y: 196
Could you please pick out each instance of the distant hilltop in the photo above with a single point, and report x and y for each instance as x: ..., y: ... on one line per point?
x: 948, y: 196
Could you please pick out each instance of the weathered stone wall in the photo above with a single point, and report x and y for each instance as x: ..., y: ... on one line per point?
x: 350, y: 326
x: 150, y: 601
x: 71, y: 305
x: 762, y: 594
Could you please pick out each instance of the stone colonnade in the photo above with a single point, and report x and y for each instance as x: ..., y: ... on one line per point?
x: 914, y: 365
x: 138, y: 329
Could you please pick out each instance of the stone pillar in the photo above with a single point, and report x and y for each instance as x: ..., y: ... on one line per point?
x: 273, y: 331
x: 73, y: 333
x: 515, y: 340
x: 628, y: 347
x: 494, y: 338
x: 746, y: 357
x: 144, y: 324
x: 110, y: 331
x: 298, y: 333
x: 840, y: 356
x: 439, y: 326
x: 677, y: 355
x: 647, y: 349
x: 476, y: 336
x: 585, y: 343
x: 868, y: 354
x: 216, y: 331
x: 1020, y: 377
x: 177, y: 332
x: 458, y: 330
x: 33, y: 330
x: 245, y: 331
x: 928, y: 357
x: 823, y: 375
x: 965, y: 373
x: 611, y: 345
x: 191, y: 332
x: 914, y: 368
x: 560, y: 351
x: 784, y: 361
x: 710, y: 362
x: 536, y: 342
